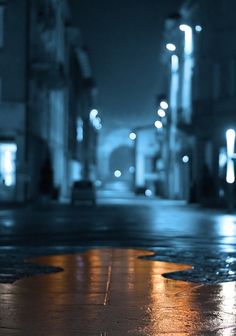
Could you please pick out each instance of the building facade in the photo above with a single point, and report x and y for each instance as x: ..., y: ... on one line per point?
x: 199, y: 58
x: 42, y: 82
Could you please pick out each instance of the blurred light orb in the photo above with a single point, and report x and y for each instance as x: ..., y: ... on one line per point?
x: 158, y: 124
x: 131, y: 169
x: 184, y: 27
x: 97, y: 123
x: 117, y: 173
x: 148, y: 193
x: 161, y: 113
x: 170, y: 47
x: 132, y: 136
x: 185, y: 159
x: 98, y: 183
x: 93, y: 114
x: 164, y: 105
x: 198, y: 28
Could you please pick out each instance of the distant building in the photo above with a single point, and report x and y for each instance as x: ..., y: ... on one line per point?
x: 41, y: 83
x: 200, y: 82
x: 149, y: 161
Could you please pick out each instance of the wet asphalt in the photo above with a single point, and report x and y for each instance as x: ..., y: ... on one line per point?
x: 173, y: 230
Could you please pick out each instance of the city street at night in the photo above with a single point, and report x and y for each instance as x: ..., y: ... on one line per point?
x: 117, y: 168
x: 130, y: 266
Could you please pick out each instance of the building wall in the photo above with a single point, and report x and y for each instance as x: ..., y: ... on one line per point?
x: 13, y: 52
x: 13, y: 91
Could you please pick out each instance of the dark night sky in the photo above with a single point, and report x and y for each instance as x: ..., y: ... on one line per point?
x: 124, y: 38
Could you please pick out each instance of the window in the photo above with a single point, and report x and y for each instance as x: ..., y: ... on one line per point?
x: 2, y: 10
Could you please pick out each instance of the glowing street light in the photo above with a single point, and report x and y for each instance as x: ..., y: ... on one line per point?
x: 132, y: 136
x: 188, y: 45
x: 93, y: 114
x: 158, y: 124
x: 170, y: 47
x: 161, y: 113
x: 198, y: 28
x: 185, y: 159
x: 117, y: 173
x: 164, y: 105
x: 230, y: 143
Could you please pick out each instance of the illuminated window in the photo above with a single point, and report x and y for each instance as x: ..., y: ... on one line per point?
x: 7, y: 164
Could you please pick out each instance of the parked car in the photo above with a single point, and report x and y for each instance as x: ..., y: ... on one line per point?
x: 83, y: 192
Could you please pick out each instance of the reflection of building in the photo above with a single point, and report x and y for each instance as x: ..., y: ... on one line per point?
x: 41, y: 80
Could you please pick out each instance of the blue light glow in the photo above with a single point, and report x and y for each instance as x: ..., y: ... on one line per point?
x: 188, y: 35
x: 185, y: 159
x: 198, y: 28
x: 170, y: 47
x: 161, y: 113
x: 117, y: 173
x: 7, y: 163
x: 148, y: 193
x: 131, y: 169
x: 97, y: 123
x: 132, y: 136
x: 164, y: 105
x: 158, y: 124
x: 230, y: 141
x: 93, y: 114
x: 174, y: 63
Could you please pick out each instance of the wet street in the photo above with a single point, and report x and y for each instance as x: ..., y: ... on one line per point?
x: 173, y: 230
x: 129, y: 266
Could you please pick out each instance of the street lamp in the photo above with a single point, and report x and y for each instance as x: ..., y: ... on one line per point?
x: 158, y: 124
x: 170, y: 47
x: 188, y: 34
x: 132, y: 136
x: 93, y: 114
x: 164, y: 105
x: 198, y: 28
x: 230, y: 142
x: 161, y: 113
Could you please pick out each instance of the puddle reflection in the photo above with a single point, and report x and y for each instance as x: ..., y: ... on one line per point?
x: 113, y: 292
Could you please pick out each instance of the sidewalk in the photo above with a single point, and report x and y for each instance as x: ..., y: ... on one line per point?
x: 112, y: 292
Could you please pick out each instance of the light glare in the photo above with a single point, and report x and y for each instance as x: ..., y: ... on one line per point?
x: 198, y: 28
x: 185, y: 159
x: 93, y: 114
x: 164, y: 105
x: 132, y: 136
x: 174, y: 63
x: 170, y: 46
x: 117, y: 173
x: 148, y: 193
x: 230, y: 142
x: 161, y: 113
x: 188, y: 43
x: 158, y: 124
